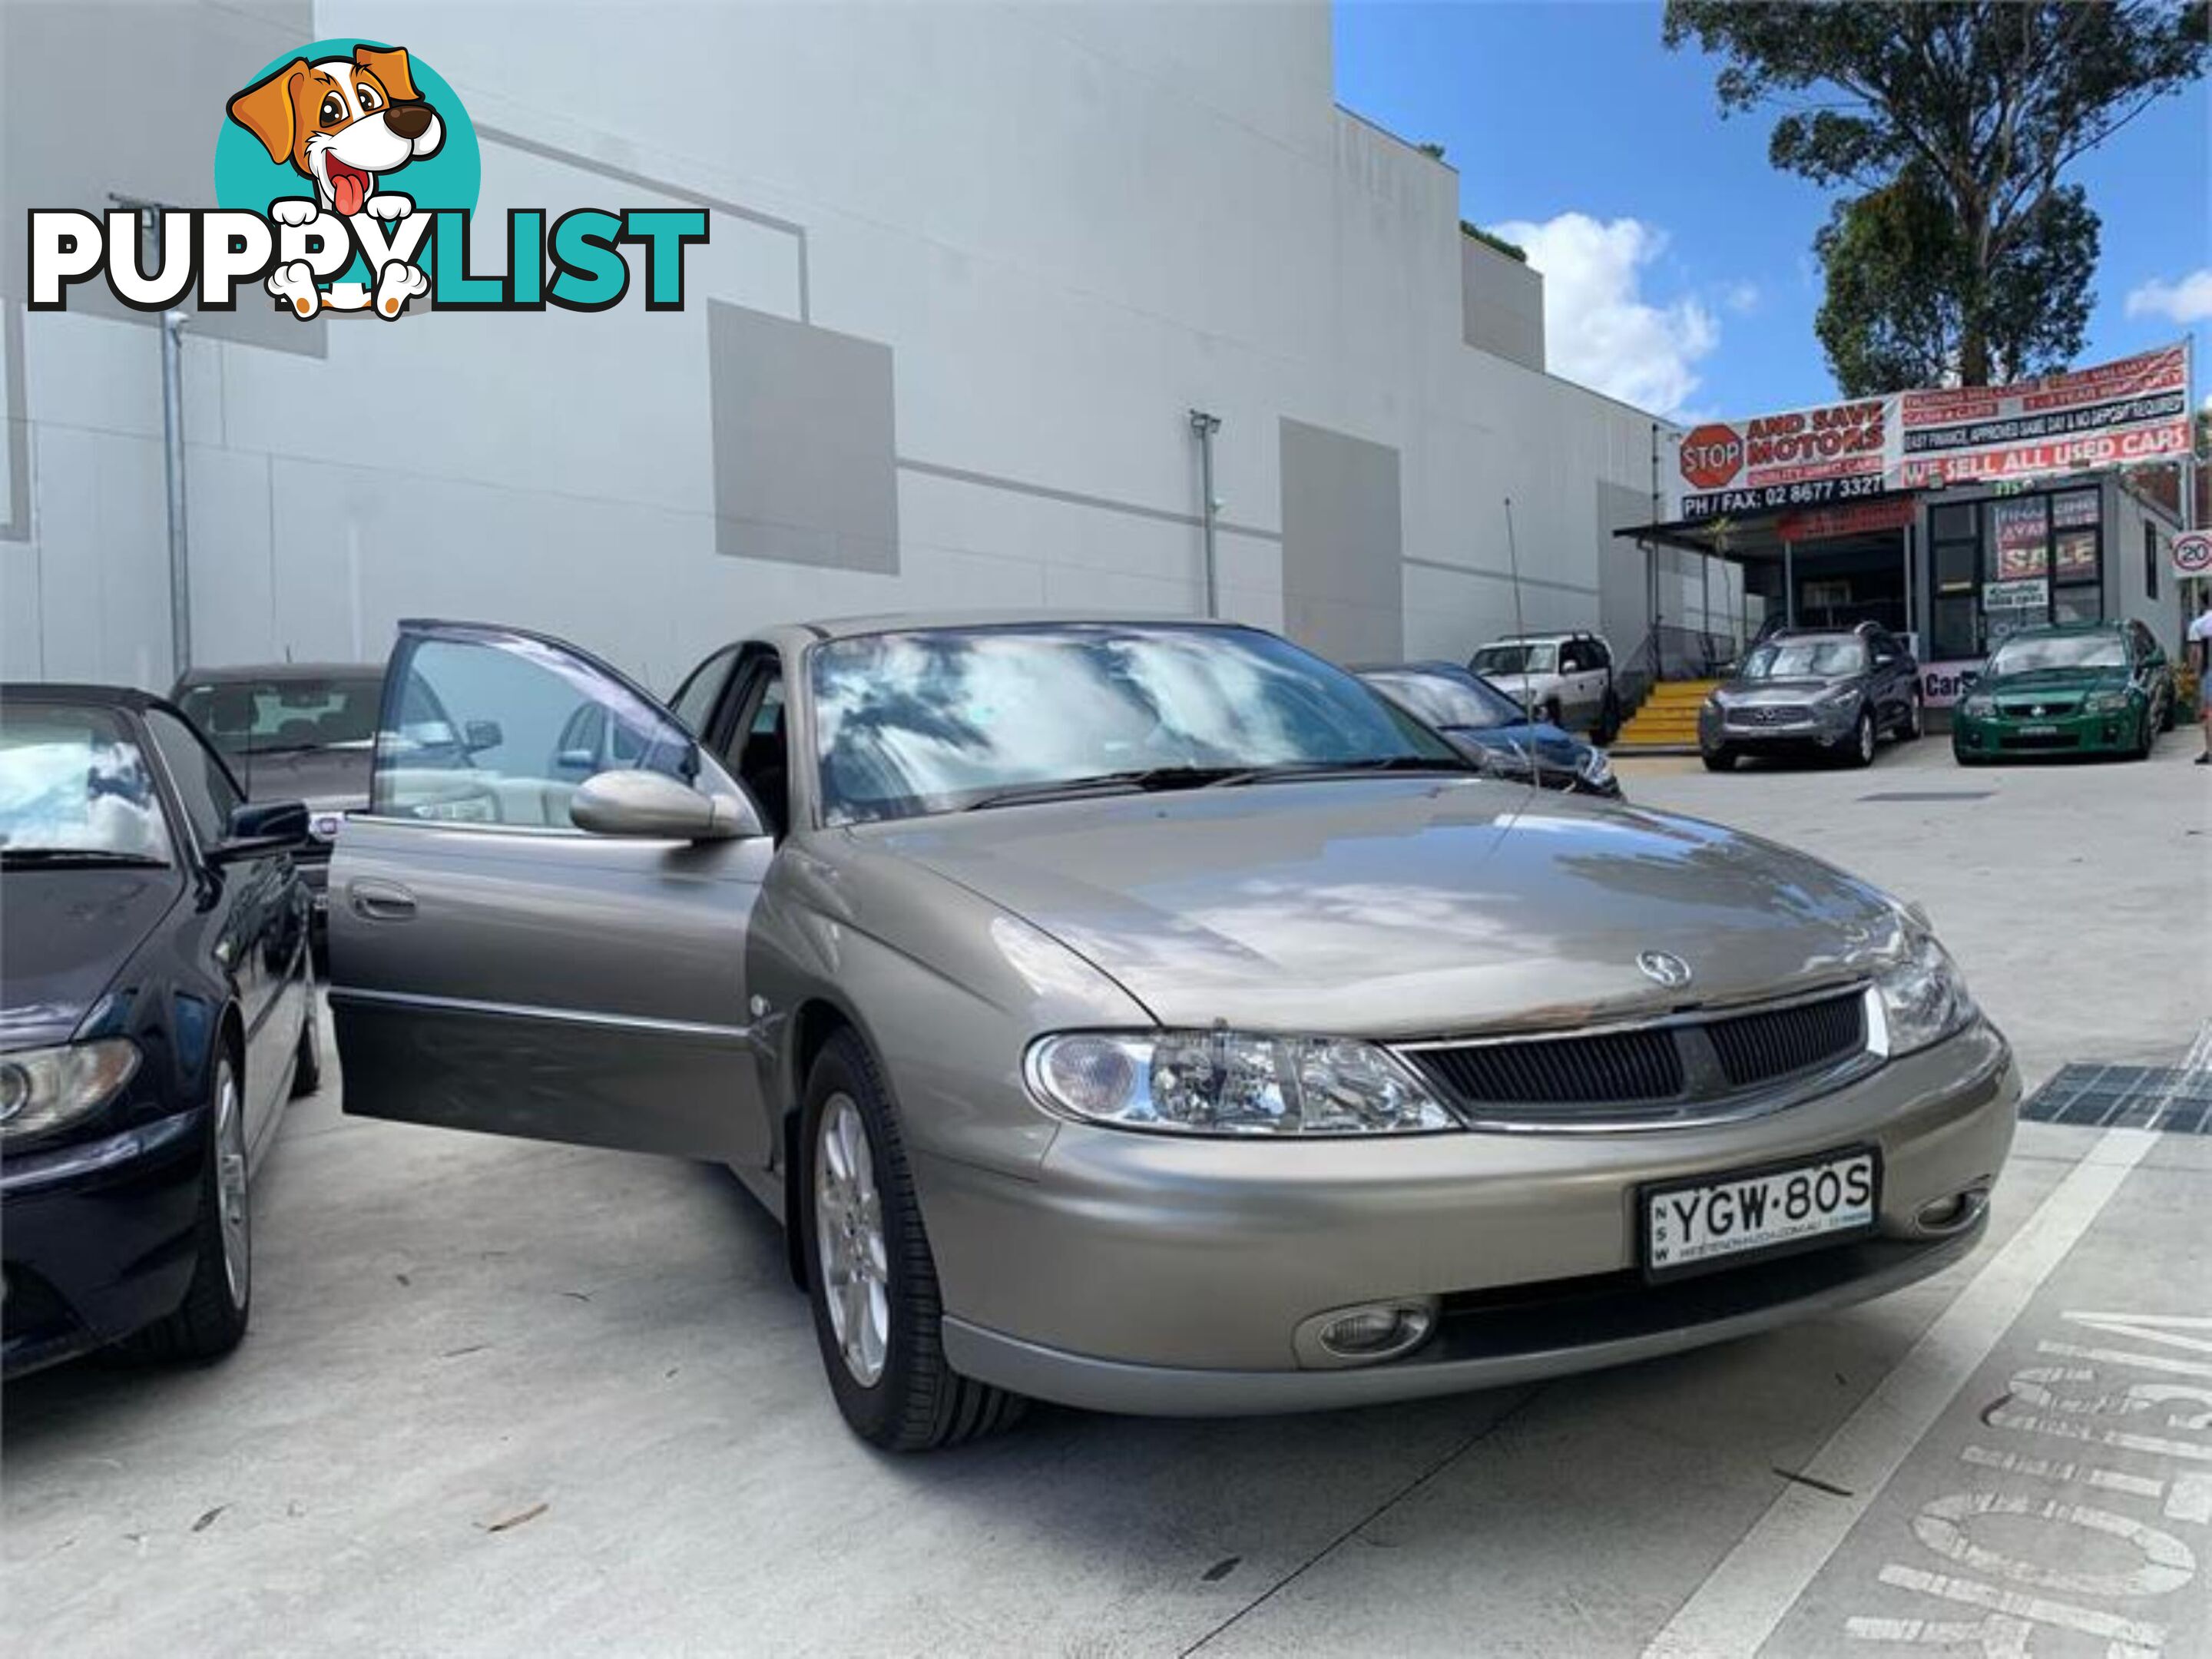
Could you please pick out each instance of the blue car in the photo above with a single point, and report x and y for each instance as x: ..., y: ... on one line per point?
x: 1493, y: 729
x: 156, y: 1010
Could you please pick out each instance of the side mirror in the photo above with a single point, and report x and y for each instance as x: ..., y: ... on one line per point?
x: 260, y: 828
x: 657, y: 807
x: 480, y: 735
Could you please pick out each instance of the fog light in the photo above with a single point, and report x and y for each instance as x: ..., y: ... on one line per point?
x: 1365, y: 1335
x: 1948, y: 1215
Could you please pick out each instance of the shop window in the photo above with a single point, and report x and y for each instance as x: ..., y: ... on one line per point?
x: 1952, y: 523
x: 2075, y: 519
x: 2020, y: 538
x: 2078, y: 604
x: 1955, y: 632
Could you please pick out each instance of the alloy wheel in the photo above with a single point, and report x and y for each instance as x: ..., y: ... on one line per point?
x: 230, y: 1187
x: 850, y: 1251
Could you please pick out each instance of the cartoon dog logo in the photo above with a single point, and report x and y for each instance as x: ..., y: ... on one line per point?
x: 343, y: 123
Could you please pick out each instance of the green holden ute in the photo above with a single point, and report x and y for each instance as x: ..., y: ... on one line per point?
x: 2096, y: 688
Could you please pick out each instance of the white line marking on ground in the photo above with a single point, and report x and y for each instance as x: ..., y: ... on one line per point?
x: 1756, y: 1584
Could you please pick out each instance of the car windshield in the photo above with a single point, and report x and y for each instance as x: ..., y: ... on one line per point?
x: 286, y: 713
x: 933, y: 720
x: 74, y: 784
x: 1806, y: 659
x: 1515, y: 659
x: 1456, y: 700
x: 2025, y: 656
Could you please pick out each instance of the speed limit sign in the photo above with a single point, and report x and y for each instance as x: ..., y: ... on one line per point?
x: 2192, y: 553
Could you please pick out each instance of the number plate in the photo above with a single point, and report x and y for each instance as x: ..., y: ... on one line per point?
x: 2041, y: 730
x: 1721, y: 1219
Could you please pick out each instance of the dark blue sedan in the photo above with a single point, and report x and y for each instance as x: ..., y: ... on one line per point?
x: 157, y: 1009
x: 1490, y: 728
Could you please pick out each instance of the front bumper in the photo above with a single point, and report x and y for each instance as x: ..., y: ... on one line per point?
x: 1825, y: 729
x: 1148, y: 1274
x: 98, y: 1238
x: 2108, y: 731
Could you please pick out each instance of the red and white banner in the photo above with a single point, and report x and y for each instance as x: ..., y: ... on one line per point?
x: 1802, y: 458
x: 1808, y: 461
x: 2135, y: 410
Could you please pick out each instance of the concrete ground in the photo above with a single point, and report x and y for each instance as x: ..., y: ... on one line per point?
x: 501, y: 1397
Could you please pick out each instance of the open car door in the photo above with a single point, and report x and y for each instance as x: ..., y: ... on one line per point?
x: 520, y: 950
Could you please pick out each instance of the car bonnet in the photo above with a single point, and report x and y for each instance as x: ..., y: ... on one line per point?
x: 1403, y: 906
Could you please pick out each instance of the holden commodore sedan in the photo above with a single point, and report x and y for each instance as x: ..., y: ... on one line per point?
x: 1152, y: 1018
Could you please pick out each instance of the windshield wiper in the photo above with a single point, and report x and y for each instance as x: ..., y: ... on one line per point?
x: 1302, y: 769
x: 82, y: 858
x: 1140, y: 780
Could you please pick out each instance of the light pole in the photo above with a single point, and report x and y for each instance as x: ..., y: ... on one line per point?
x: 1206, y: 426
x: 172, y: 450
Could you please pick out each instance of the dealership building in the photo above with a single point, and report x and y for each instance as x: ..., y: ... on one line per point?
x: 971, y: 271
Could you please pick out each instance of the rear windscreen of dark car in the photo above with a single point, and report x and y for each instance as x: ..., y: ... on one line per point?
x: 274, y: 716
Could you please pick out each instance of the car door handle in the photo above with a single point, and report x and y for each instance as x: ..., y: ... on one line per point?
x: 380, y: 901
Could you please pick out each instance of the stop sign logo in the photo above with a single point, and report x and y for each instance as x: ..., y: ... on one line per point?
x: 1711, y: 456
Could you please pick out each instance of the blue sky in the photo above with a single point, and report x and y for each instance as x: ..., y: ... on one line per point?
x: 1678, y: 267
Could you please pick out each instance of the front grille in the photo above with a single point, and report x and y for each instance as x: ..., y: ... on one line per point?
x: 1681, y: 1071
x: 1618, y: 1066
x: 1771, y: 713
x: 2039, y: 709
x: 1778, y: 1042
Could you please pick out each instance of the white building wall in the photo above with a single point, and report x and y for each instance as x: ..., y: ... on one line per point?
x: 1068, y: 223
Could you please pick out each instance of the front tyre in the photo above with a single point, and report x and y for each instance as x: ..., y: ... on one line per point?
x: 1861, y: 753
x: 877, y: 1314
x: 1719, y: 760
x: 1916, y: 722
x: 211, y: 1319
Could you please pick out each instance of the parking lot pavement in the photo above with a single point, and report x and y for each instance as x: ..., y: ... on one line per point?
x: 503, y: 1397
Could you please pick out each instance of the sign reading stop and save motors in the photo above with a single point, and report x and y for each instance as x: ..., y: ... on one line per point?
x: 1801, y: 458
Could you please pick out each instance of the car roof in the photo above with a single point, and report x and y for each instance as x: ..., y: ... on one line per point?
x: 230, y: 673
x: 1428, y: 665
x: 904, y: 622
x: 2048, y: 628
x: 1800, y: 636
x: 97, y: 697
x: 1543, y: 639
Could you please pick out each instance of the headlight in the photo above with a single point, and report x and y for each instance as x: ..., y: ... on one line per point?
x: 2104, y: 702
x: 1837, y: 693
x: 1232, y: 1083
x: 42, y: 1089
x: 1979, y: 707
x: 1923, y: 999
x: 1595, y: 768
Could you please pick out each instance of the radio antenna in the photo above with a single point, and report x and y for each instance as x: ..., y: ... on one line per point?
x: 1520, y: 625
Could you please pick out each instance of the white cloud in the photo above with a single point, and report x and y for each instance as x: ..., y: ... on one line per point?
x: 2189, y: 301
x: 1598, y: 327
x: 1741, y: 297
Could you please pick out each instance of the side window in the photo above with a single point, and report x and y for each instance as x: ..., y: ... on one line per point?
x: 204, y: 782
x: 694, y: 701
x: 500, y: 729
x: 1571, y: 658
x: 759, y: 751
x: 1598, y: 655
